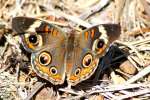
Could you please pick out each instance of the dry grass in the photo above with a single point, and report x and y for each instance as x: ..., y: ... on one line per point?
x: 129, y: 80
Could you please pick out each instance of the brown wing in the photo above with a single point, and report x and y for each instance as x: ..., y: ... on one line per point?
x: 90, y: 46
x: 47, y: 43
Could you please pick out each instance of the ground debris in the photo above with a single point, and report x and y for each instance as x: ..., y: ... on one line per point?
x: 125, y: 69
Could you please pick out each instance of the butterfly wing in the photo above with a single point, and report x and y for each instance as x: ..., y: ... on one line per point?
x: 47, y: 44
x: 88, y: 48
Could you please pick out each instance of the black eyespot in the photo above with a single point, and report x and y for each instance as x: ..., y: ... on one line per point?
x: 45, y: 58
x: 53, y: 70
x: 77, y: 71
x: 87, y: 60
x: 100, y: 43
x: 33, y: 39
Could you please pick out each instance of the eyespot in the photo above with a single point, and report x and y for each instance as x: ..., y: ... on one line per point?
x: 100, y: 43
x: 87, y: 60
x: 45, y: 58
x: 77, y: 71
x: 53, y: 70
x: 33, y: 39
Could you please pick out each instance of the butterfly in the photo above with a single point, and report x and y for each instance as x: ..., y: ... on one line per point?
x: 58, y: 56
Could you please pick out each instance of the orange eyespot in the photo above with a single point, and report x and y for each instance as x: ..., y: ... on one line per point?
x: 87, y: 60
x: 45, y: 58
x: 77, y: 71
x: 53, y: 70
x: 100, y: 43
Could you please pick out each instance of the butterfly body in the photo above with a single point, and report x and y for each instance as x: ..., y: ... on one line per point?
x: 56, y: 55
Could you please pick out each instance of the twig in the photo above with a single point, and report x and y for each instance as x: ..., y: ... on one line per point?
x: 71, y: 91
x: 111, y: 88
x: 35, y: 90
x: 133, y: 94
x: 139, y: 31
x: 134, y: 49
x: 142, y: 73
x: 69, y: 17
x: 94, y: 9
x: 75, y: 19
x: 146, y: 6
x: 119, y: 4
x: 132, y: 61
